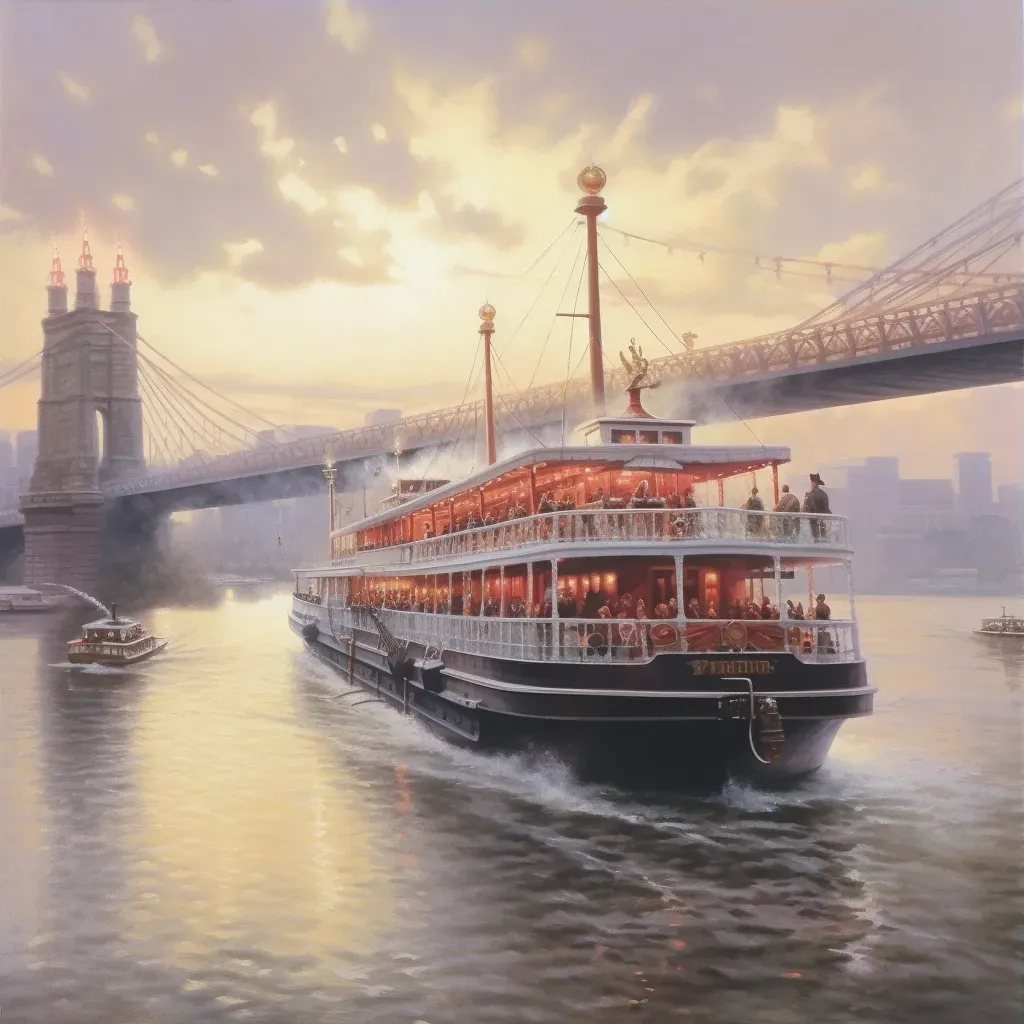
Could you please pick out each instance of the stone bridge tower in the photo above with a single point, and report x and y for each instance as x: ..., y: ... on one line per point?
x: 90, y: 423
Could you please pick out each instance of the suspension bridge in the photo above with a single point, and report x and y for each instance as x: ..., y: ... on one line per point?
x: 946, y: 316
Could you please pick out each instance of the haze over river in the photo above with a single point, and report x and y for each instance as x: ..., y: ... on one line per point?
x: 217, y: 835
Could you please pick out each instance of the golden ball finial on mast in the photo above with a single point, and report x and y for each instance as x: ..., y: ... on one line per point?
x: 487, y: 312
x: 592, y: 180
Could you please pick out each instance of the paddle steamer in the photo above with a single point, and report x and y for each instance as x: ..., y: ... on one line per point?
x: 115, y: 640
x: 578, y: 597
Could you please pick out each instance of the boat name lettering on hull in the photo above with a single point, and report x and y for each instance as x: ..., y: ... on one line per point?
x: 733, y: 668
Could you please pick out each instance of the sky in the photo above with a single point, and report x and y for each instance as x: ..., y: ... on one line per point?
x: 315, y: 198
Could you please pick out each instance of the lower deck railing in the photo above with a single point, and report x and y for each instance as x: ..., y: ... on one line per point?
x: 604, y: 640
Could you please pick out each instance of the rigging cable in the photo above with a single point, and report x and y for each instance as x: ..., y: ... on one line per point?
x: 572, y: 331
x: 520, y: 396
x: 554, y: 319
x: 540, y: 293
x: 625, y: 299
x: 636, y: 285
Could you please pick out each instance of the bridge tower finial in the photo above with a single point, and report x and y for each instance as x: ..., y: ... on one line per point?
x: 120, y: 286
x: 85, y: 256
x: 56, y: 288
x: 85, y: 276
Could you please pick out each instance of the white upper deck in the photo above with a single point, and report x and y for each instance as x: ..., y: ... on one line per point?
x: 645, y: 457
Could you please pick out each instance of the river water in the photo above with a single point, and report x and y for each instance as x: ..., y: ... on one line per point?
x: 219, y: 835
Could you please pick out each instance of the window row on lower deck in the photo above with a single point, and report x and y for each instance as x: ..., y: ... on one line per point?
x: 700, y: 587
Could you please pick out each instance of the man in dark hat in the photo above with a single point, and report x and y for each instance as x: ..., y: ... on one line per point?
x: 816, y: 500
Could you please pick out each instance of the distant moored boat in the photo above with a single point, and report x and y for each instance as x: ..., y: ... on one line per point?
x: 1004, y: 625
x: 25, y: 599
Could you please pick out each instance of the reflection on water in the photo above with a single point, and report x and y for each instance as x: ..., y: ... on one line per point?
x: 223, y: 827
x: 215, y: 836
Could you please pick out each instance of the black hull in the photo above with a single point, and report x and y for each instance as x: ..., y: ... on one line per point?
x: 661, y: 722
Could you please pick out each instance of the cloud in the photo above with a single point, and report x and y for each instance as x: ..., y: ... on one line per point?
x: 867, y: 178
x: 123, y: 202
x: 41, y: 165
x: 532, y: 52
x: 484, y: 141
x: 238, y: 252
x: 347, y: 25
x: 379, y: 133
x: 486, y: 226
x: 179, y: 157
x: 864, y: 248
x: 340, y: 144
x: 209, y: 170
x: 272, y: 145
x: 301, y: 193
x: 145, y: 34
x: 74, y: 89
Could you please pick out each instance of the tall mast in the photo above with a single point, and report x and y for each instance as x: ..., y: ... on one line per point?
x: 591, y: 180
x: 487, y: 312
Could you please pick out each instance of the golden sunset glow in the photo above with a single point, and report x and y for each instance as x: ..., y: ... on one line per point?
x: 374, y: 231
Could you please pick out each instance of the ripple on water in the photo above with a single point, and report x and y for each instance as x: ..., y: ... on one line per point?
x: 221, y: 837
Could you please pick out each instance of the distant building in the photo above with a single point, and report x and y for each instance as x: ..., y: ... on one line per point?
x: 1011, y: 503
x: 926, y: 505
x: 973, y: 481
x: 282, y: 435
x: 379, y: 417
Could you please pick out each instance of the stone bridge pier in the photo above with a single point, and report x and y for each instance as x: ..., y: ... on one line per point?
x: 90, y: 424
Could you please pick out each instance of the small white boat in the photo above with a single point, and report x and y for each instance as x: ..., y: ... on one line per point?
x: 25, y: 599
x: 116, y: 640
x: 1003, y: 625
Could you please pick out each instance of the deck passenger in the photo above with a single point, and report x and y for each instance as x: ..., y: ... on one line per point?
x: 788, y: 502
x: 754, y: 504
x: 816, y: 501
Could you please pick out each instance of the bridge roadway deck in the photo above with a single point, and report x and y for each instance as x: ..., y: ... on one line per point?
x: 973, y: 341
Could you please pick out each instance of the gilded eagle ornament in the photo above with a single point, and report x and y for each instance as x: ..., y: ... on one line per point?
x: 636, y: 367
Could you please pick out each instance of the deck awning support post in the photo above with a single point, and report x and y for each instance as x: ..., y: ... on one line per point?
x: 853, y: 608
x: 554, y: 608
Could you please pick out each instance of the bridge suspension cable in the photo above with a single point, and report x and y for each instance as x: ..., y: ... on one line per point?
x: 781, y: 265
x: 181, y: 425
x: 989, y: 232
x: 22, y: 370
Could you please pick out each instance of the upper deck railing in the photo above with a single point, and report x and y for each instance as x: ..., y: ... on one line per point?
x: 599, y: 640
x: 589, y: 527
